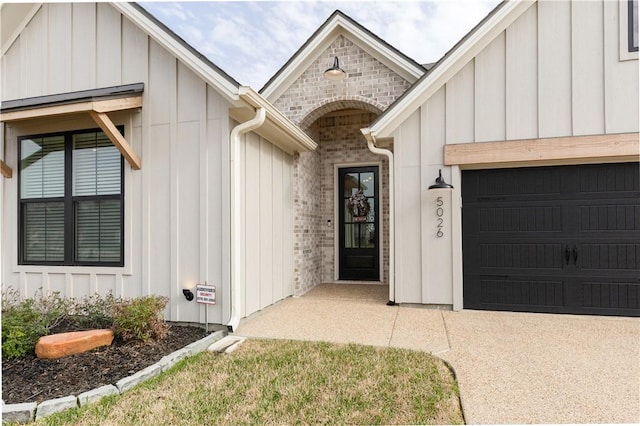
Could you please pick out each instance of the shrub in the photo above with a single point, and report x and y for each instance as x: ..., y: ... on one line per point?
x: 140, y: 319
x: 92, y: 312
x: 24, y: 322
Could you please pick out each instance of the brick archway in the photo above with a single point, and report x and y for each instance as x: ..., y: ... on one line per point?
x: 338, y: 103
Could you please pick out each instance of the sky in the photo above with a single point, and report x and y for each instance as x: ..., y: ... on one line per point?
x: 251, y: 41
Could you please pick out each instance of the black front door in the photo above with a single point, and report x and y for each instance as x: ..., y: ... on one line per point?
x: 359, y: 250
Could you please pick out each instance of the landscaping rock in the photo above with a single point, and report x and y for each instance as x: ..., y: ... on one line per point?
x: 75, y: 342
x: 127, y: 383
x: 96, y: 395
x: 57, y: 405
x: 172, y: 359
x: 19, y: 413
x: 205, y: 342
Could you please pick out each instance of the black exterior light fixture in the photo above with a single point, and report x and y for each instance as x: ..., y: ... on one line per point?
x: 188, y: 294
x: 335, y: 73
x: 440, y: 183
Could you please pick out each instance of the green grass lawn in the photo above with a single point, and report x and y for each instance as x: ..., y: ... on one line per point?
x: 287, y: 382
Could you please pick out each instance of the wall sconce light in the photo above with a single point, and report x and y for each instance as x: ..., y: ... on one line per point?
x: 440, y: 183
x: 188, y: 294
x: 335, y: 72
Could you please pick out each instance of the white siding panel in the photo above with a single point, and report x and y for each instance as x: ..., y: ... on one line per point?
x: 162, y: 83
x: 188, y: 196
x: 157, y: 166
x: 59, y: 48
x: 490, y: 92
x: 107, y: 283
x: 279, y: 230
x: 437, y: 288
x: 34, y: 53
x: 83, y: 46
x: 11, y: 74
x: 81, y: 285
x: 460, y: 104
x: 288, y: 225
x: 57, y: 283
x: 522, y: 76
x: 108, y: 46
x: 621, y: 78
x: 252, y: 223
x: 33, y: 282
x: 411, y: 141
x: 588, y: 67
x: 554, y: 49
x: 191, y: 94
x: 265, y: 218
x: 434, y: 129
x: 408, y: 221
x: 135, y: 53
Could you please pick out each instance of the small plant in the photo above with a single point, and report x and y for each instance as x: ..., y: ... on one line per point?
x: 24, y: 322
x: 92, y: 312
x: 140, y: 319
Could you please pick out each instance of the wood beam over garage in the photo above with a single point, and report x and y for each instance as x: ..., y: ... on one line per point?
x: 549, y: 151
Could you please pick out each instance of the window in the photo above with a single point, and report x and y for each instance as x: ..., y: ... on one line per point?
x: 71, y: 200
x: 633, y: 25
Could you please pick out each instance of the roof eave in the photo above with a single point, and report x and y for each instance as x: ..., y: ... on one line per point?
x: 278, y: 129
x: 197, y: 62
x: 452, y: 62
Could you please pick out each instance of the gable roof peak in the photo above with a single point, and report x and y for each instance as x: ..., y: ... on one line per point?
x: 339, y: 23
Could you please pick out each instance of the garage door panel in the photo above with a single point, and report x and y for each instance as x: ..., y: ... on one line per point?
x: 505, y: 293
x: 606, y: 257
x: 516, y: 257
x: 567, y: 244
x: 610, y: 217
x: 608, y: 295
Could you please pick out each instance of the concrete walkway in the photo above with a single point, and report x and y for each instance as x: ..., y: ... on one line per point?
x: 511, y: 367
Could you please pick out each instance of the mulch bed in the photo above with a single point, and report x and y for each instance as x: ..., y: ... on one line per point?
x: 30, y: 379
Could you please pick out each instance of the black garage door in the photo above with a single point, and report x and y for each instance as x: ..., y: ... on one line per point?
x: 553, y: 239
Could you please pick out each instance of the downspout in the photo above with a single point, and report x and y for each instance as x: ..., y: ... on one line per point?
x: 392, y: 225
x: 236, y: 226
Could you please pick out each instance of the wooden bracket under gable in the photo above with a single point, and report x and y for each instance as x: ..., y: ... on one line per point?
x: 109, y: 129
x: 6, y: 170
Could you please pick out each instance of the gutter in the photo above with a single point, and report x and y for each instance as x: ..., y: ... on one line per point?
x: 392, y: 224
x: 236, y: 226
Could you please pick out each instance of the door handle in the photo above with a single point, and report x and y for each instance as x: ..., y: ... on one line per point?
x: 575, y: 254
x: 567, y: 254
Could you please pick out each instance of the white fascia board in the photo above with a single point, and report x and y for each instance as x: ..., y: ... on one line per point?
x: 340, y: 26
x: 298, y: 140
x: 223, y: 86
x: 6, y: 44
x: 424, y: 89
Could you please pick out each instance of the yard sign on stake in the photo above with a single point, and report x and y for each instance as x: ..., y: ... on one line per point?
x: 206, y: 294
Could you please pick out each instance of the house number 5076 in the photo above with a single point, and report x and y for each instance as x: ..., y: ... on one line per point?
x: 439, y: 213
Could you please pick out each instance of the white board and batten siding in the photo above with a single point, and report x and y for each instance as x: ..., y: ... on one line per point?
x: 267, y: 218
x: 176, y: 207
x: 555, y: 71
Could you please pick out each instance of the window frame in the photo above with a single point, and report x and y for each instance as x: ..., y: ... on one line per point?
x: 625, y: 27
x: 630, y: 21
x: 70, y: 202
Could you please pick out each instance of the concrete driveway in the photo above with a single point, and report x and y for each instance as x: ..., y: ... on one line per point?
x: 511, y: 367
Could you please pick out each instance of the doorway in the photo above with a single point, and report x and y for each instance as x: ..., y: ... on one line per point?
x: 358, y: 224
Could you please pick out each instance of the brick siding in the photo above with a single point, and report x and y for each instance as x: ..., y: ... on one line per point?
x: 313, y: 103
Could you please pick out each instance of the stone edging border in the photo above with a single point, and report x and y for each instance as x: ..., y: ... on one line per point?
x: 30, y: 411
